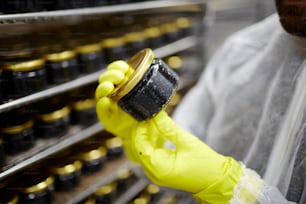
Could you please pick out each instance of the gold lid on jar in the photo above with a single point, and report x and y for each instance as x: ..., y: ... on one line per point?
x: 142, y: 200
x: 152, y: 189
x: 55, y: 115
x: 94, y: 154
x: 183, y: 22
x: 134, y: 37
x: 106, y: 189
x: 140, y: 62
x: 112, y: 42
x: 40, y: 186
x: 124, y: 174
x: 175, y: 62
x: 152, y: 32
x: 60, y: 56
x: 84, y: 49
x: 113, y: 143
x: 68, y: 168
x: 84, y: 104
x: 18, y: 128
x: 24, y: 66
x: 168, y: 28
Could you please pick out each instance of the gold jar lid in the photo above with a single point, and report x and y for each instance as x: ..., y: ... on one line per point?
x: 40, y: 186
x: 24, y: 66
x: 142, y: 200
x: 84, y: 49
x: 113, y: 143
x: 14, y: 200
x: 168, y: 28
x: 124, y: 174
x: 140, y: 62
x: 134, y: 37
x: 55, y: 115
x: 112, y: 42
x: 84, y: 104
x: 152, y: 189
x: 60, y: 56
x: 94, y: 154
x: 106, y: 189
x: 174, y: 62
x: 68, y: 168
x: 152, y: 32
x: 18, y: 128
x: 183, y: 22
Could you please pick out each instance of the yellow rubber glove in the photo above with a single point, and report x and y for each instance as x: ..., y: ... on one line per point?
x: 112, y: 117
x: 192, y: 166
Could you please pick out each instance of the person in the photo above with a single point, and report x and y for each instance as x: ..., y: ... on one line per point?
x: 239, y: 135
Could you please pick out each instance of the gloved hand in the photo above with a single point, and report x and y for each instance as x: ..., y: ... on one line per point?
x: 192, y: 166
x: 113, y: 118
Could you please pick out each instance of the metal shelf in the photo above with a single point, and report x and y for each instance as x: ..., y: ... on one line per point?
x: 171, y: 5
x: 46, y: 147
x: 164, y: 51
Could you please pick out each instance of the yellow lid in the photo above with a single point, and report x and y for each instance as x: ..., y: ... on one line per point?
x: 84, y: 49
x: 168, y: 28
x: 84, y: 104
x: 106, y: 189
x: 183, y: 22
x: 113, y: 142
x: 140, y: 62
x: 14, y: 200
x: 112, y: 42
x: 152, y: 32
x: 55, y: 115
x: 152, y: 189
x: 60, y: 56
x: 134, y: 37
x: 175, y: 62
x: 40, y: 186
x: 18, y: 128
x: 68, y: 168
x: 124, y: 173
x: 24, y: 66
x: 94, y: 154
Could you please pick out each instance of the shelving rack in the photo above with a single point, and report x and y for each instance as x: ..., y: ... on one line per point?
x: 46, y: 147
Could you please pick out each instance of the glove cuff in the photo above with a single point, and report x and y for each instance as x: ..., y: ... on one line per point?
x: 222, y: 190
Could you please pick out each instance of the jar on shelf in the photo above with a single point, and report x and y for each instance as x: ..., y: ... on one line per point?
x: 169, y: 31
x: 18, y: 135
x: 53, y: 123
x: 83, y: 112
x: 114, y: 48
x: 125, y: 179
x: 184, y: 26
x: 35, y: 187
x: 153, y: 191
x: 105, y: 194
x: 114, y: 147
x: 135, y: 41
x: 154, y: 37
x: 90, y: 58
x: 67, y: 174
x: 24, y: 77
x: 61, y: 66
x: 93, y: 159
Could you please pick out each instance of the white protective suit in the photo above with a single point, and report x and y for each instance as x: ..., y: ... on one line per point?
x: 250, y: 103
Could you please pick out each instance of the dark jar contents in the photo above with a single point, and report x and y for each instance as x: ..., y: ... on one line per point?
x: 67, y: 174
x: 83, y: 112
x: 105, y: 194
x: 114, y: 49
x: 2, y: 154
x: 54, y: 123
x: 90, y: 58
x: 35, y: 188
x: 93, y: 160
x: 114, y: 148
x: 24, y: 77
x: 18, y: 137
x: 61, y: 67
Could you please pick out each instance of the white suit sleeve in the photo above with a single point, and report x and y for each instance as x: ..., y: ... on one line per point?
x: 253, y: 190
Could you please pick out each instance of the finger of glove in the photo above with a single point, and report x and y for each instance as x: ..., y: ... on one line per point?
x: 119, y: 65
x: 105, y: 107
x: 172, y: 132
x: 114, y: 76
x: 104, y: 89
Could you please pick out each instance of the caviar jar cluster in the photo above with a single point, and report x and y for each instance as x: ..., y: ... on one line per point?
x: 65, y: 171
x: 33, y: 60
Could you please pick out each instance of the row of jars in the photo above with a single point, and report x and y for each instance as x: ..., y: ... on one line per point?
x: 50, y: 118
x: 62, y: 173
x: 22, y: 76
x: 24, y: 6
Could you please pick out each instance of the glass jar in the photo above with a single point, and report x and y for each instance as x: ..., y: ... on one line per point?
x: 53, y: 123
x: 170, y: 32
x: 93, y: 159
x: 18, y: 137
x: 83, y: 112
x: 125, y: 179
x: 114, y: 147
x: 61, y: 67
x: 35, y: 188
x: 24, y: 77
x: 154, y: 37
x: 67, y: 174
x: 90, y: 58
x: 184, y: 26
x: 105, y: 194
x: 114, y: 48
x: 135, y: 41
